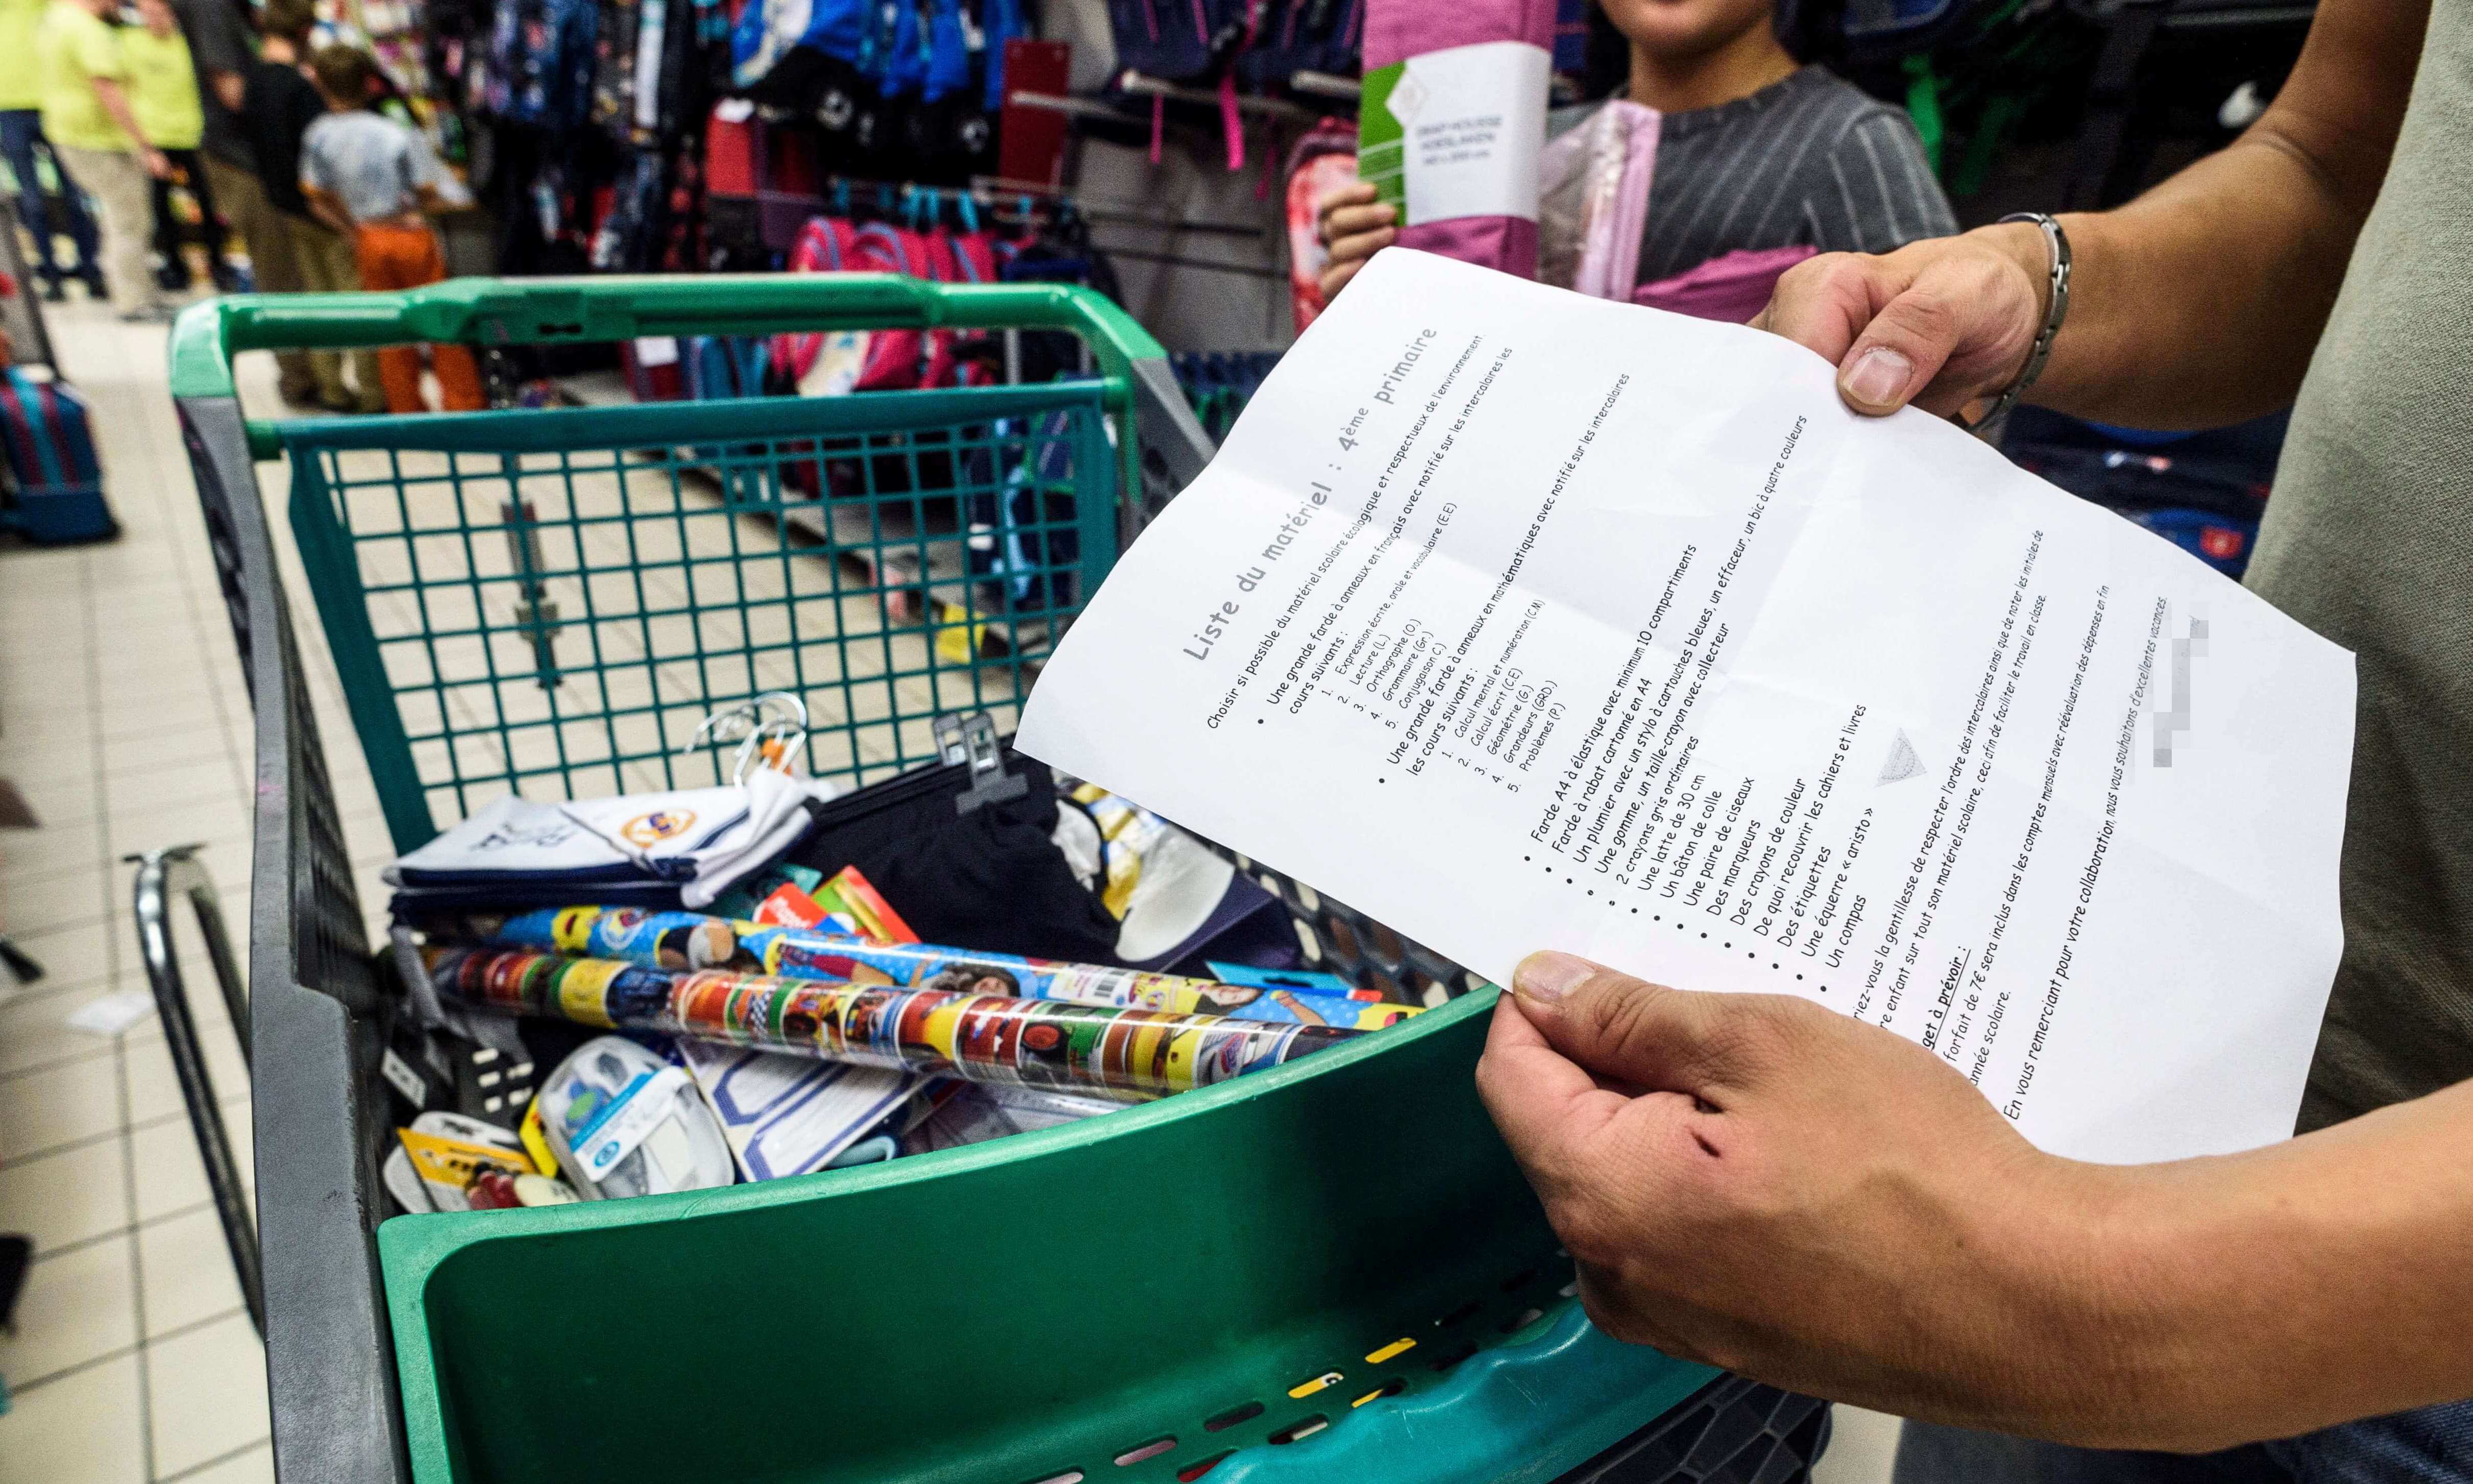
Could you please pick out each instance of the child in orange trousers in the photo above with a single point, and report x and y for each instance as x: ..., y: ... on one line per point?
x: 370, y: 179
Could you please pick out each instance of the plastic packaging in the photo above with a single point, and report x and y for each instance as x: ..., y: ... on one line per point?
x: 624, y: 1121
x: 1097, y: 1050
x: 678, y: 940
x: 1593, y: 200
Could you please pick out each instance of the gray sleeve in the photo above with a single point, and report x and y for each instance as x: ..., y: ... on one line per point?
x: 1881, y: 193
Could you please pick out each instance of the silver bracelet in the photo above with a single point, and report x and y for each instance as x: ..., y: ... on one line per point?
x: 2057, y: 243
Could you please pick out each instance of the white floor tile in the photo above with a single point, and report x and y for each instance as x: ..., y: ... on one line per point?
x: 71, y: 845
x: 72, y: 955
x: 206, y: 1393
x: 154, y: 1087
x: 44, y: 1110
x: 185, y: 1271
x: 77, y: 1307
x: 170, y: 1174
x: 253, y: 1464
x: 68, y: 1197
x: 33, y: 1026
x: 68, y: 895
x: 83, y: 1428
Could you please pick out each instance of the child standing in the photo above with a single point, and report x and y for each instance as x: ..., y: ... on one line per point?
x: 370, y: 178
x: 1756, y: 154
x: 163, y: 95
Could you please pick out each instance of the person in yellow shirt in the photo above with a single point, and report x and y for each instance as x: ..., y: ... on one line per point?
x: 87, y: 117
x: 172, y: 118
x: 21, y: 129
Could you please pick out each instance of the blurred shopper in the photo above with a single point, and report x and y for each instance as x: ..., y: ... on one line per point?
x: 21, y: 129
x: 172, y: 119
x: 277, y: 107
x: 88, y: 120
x: 370, y: 179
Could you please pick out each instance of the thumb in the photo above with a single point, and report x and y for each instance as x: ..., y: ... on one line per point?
x: 1901, y: 350
x: 1629, y: 1031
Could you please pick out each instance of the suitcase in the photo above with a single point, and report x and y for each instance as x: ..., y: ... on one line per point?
x: 57, y: 479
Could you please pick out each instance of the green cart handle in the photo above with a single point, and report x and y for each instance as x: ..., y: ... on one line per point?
x: 488, y: 311
x: 1523, y: 1413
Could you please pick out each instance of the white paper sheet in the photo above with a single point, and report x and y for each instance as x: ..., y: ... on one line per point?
x: 1521, y: 620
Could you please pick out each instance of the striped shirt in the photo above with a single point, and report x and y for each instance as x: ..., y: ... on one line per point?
x: 1810, y: 161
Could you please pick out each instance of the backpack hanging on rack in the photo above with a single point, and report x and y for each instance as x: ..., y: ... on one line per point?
x: 1302, y: 35
x: 956, y: 358
x: 542, y: 57
x: 808, y: 56
x: 834, y: 363
x: 1175, y: 40
x: 723, y: 367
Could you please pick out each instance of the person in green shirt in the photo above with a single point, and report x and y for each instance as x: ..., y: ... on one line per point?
x: 21, y: 129
x: 172, y: 118
x: 87, y: 117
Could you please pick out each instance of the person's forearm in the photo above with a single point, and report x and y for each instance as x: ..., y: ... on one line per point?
x: 115, y: 102
x: 2199, y: 303
x: 2271, y: 1293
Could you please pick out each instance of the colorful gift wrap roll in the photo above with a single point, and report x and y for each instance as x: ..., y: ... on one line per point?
x: 669, y: 939
x: 1131, y: 1055
x: 655, y: 938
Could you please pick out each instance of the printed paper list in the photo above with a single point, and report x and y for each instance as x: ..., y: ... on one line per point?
x: 1538, y: 622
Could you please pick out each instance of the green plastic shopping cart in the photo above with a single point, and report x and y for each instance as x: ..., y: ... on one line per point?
x: 1331, y: 1270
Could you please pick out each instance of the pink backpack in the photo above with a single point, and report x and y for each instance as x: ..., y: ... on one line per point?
x: 827, y: 363
x: 966, y: 256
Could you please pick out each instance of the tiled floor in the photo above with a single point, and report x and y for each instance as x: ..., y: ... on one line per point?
x: 124, y: 724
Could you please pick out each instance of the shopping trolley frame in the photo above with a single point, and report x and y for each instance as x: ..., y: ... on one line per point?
x: 319, y: 1011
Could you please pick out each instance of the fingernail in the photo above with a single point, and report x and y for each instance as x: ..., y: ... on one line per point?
x: 1879, y: 376
x: 1547, y: 977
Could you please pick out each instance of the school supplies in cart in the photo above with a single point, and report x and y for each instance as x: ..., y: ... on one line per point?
x: 686, y: 940
x: 787, y: 1115
x: 623, y: 1120
x: 977, y: 1114
x: 678, y: 847
x: 1096, y: 1050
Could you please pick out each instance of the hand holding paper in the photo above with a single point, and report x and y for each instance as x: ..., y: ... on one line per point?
x: 1519, y: 620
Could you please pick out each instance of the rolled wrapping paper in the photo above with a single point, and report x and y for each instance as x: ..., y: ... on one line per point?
x: 689, y: 939
x: 1097, y: 1050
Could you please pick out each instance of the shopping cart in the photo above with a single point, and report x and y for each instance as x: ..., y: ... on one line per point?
x: 1330, y: 1271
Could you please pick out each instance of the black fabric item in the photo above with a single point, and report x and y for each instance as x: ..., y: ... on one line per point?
x: 221, y: 40
x: 992, y: 879
x: 16, y: 1254
x: 277, y: 107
